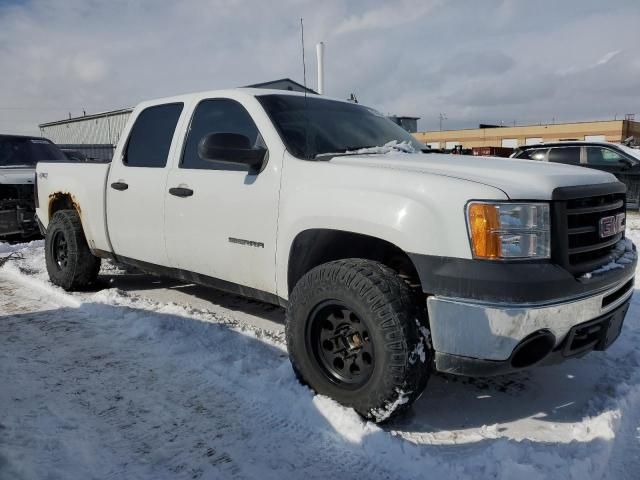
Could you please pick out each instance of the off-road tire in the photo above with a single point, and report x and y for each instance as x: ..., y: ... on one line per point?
x: 396, y: 327
x: 80, y: 268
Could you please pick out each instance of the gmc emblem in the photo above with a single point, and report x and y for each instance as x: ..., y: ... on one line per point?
x: 609, y: 226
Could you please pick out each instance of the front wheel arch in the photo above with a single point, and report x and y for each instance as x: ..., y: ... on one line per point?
x: 313, y: 247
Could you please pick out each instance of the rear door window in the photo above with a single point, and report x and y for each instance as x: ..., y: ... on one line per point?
x: 151, y: 136
x: 567, y: 155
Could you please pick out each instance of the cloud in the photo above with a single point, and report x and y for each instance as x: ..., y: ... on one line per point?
x: 606, y: 58
x: 477, y: 61
x: 389, y: 15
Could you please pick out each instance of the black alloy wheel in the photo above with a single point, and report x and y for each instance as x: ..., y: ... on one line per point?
x: 60, y: 250
x: 341, y: 344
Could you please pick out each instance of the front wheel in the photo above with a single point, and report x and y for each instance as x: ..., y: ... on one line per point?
x: 70, y: 263
x: 356, y: 333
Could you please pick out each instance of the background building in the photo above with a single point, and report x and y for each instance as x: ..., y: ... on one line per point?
x: 283, y: 84
x: 94, y: 135
x: 512, y: 137
x: 410, y: 124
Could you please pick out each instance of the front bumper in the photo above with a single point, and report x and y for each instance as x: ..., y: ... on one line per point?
x: 478, y: 337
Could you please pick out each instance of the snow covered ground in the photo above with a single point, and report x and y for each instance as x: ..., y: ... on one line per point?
x: 150, y: 378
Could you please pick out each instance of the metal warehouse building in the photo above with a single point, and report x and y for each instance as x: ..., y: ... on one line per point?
x: 94, y: 135
x: 512, y: 137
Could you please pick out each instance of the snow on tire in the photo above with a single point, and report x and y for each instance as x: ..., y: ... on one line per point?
x: 356, y: 333
x: 70, y: 263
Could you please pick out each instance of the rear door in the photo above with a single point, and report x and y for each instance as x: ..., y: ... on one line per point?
x: 136, y: 186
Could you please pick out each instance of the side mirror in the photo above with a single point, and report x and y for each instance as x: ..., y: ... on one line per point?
x: 627, y: 163
x: 231, y: 148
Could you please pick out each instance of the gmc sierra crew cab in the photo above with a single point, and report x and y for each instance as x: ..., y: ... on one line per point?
x: 390, y: 262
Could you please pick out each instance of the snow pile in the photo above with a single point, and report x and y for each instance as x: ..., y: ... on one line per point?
x: 389, y: 147
x: 7, y: 248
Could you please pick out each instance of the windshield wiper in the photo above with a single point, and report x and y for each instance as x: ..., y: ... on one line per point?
x: 393, y: 145
x: 351, y: 149
x: 330, y: 155
x: 342, y: 152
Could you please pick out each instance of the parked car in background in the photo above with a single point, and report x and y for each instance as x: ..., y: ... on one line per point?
x: 18, y: 158
x: 75, y: 155
x: 622, y: 161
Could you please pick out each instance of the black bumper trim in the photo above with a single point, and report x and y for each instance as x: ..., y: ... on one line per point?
x: 509, y: 282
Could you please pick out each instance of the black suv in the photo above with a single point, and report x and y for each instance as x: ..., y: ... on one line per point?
x: 622, y: 161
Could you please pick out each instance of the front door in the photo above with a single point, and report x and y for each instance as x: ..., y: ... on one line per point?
x: 137, y: 184
x: 221, y: 221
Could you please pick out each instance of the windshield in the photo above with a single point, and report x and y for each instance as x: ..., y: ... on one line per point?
x: 634, y: 152
x: 314, y: 126
x: 18, y: 151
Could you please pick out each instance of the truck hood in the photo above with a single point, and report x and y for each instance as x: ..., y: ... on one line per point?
x: 518, y: 179
x: 17, y: 175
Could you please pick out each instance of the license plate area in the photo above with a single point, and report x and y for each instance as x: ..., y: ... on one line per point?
x: 597, y: 334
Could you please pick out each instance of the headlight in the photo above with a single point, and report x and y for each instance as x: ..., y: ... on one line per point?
x: 509, y: 230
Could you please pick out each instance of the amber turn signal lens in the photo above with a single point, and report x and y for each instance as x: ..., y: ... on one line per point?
x: 484, y: 224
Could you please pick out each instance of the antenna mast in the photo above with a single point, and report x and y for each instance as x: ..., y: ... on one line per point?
x: 304, y: 66
x: 306, y: 105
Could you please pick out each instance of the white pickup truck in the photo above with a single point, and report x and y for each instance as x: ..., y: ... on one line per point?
x: 390, y: 262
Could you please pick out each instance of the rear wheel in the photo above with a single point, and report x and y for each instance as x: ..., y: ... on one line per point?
x: 70, y: 263
x: 357, y: 334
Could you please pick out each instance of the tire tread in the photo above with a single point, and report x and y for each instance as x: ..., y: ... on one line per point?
x: 84, y: 265
x: 399, y: 317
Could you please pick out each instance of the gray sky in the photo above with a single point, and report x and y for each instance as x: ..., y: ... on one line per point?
x: 478, y: 61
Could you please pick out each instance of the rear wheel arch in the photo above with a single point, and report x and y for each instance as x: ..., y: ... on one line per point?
x: 314, y: 247
x: 61, y: 201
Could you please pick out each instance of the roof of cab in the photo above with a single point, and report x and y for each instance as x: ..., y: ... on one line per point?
x: 567, y: 143
x: 248, y: 91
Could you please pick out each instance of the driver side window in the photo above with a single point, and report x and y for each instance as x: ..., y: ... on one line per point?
x: 218, y: 115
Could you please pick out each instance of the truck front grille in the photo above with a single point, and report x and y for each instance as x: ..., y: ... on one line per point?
x: 579, y: 246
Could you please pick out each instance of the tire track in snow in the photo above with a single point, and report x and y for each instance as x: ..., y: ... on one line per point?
x: 214, y: 423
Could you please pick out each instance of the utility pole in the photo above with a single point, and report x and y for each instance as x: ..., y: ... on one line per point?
x: 443, y: 116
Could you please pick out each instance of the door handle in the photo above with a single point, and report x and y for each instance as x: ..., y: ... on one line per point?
x: 181, y: 192
x: 119, y: 186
